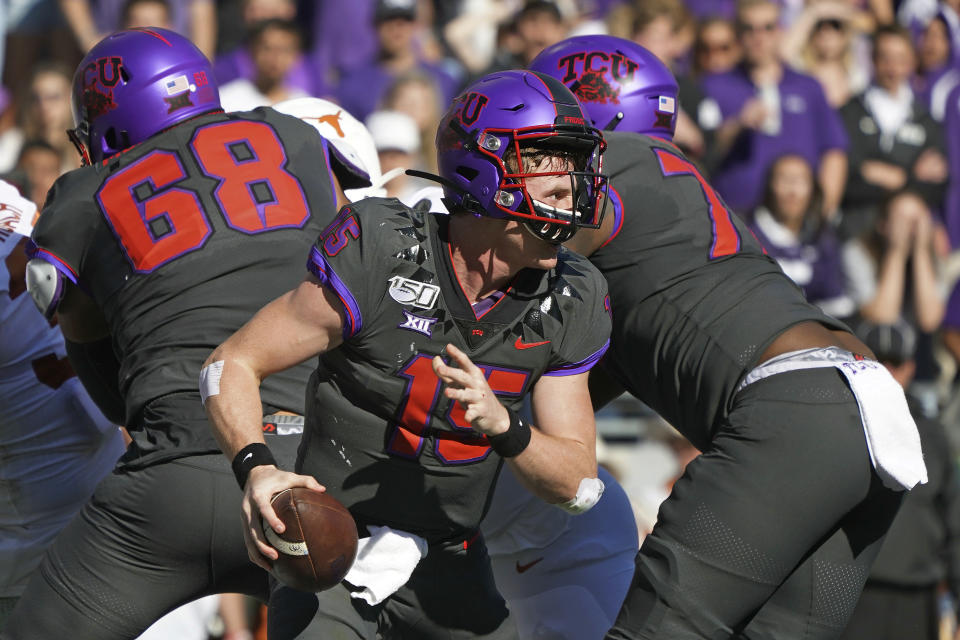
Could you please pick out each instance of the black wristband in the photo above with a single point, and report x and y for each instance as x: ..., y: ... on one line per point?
x: 252, y: 455
x: 514, y: 440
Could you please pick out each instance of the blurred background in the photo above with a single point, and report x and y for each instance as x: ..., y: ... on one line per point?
x: 831, y: 126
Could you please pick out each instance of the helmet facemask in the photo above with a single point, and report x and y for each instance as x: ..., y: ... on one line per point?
x: 574, y: 156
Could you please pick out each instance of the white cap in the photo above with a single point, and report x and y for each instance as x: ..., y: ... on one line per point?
x: 394, y: 131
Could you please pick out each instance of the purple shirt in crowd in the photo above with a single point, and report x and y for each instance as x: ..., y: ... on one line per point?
x: 239, y: 64
x: 361, y: 91
x: 108, y: 13
x: 807, y: 127
x: 811, y: 260
x: 344, y: 37
x: 951, y: 204
x: 703, y: 9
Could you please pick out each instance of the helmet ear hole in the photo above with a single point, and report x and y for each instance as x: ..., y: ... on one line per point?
x: 467, y: 172
x: 110, y: 137
x: 117, y: 140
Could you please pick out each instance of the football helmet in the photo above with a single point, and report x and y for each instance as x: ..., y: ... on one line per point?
x: 491, y: 124
x: 620, y: 84
x: 351, y: 145
x: 134, y: 84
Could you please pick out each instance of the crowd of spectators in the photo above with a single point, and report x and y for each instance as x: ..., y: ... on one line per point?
x: 824, y: 123
x: 831, y: 126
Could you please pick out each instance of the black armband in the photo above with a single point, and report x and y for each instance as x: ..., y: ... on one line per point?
x: 514, y: 440
x: 252, y: 455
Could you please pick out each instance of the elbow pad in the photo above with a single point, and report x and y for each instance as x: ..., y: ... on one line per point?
x: 45, y: 284
x: 588, y: 494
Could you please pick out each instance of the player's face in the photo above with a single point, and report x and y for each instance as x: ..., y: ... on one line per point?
x: 555, y: 191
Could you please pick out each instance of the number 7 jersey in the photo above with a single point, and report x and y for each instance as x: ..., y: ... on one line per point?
x: 181, y: 239
x: 695, y: 298
x: 380, y: 433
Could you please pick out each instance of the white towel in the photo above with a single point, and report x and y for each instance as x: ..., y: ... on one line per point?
x: 384, y: 563
x: 892, y: 436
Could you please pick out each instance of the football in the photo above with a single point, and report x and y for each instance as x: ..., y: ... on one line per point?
x: 319, y: 544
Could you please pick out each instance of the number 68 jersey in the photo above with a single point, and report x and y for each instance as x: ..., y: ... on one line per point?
x: 379, y: 431
x: 181, y: 239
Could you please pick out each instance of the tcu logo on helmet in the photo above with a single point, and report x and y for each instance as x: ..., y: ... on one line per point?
x: 592, y: 85
x: 473, y: 104
x: 106, y: 72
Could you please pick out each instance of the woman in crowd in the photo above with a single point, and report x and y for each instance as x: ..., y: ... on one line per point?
x: 792, y: 232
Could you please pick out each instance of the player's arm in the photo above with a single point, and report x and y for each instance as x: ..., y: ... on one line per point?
x: 85, y: 332
x: 292, y: 328
x: 561, y: 450
x: 604, y: 388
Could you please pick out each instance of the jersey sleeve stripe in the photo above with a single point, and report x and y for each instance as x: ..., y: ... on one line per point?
x: 617, y: 215
x: 33, y: 251
x: 318, y: 266
x: 579, y: 367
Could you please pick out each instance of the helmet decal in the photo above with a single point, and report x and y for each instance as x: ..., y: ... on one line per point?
x: 134, y: 84
x: 622, y: 85
x: 471, y: 105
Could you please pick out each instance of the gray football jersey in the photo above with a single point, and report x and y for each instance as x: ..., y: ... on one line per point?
x: 379, y: 431
x: 695, y: 298
x: 180, y: 240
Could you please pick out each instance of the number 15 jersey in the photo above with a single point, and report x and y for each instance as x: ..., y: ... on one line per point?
x: 380, y: 433
x: 180, y: 240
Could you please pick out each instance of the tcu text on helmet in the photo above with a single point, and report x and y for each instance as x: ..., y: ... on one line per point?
x: 621, y: 67
x: 106, y: 69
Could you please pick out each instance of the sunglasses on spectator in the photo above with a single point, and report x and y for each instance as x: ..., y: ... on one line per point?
x: 716, y: 47
x: 831, y: 23
x: 747, y: 27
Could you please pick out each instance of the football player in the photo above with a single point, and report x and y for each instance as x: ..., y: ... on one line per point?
x: 774, y: 527
x: 561, y: 574
x: 56, y: 444
x: 431, y: 329
x: 182, y: 224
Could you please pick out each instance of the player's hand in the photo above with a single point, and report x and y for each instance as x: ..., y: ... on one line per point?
x: 263, y: 483
x: 467, y: 384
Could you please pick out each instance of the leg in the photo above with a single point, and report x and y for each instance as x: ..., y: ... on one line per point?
x: 573, y: 587
x: 819, y: 597
x: 893, y: 612
x: 451, y: 595
x: 138, y: 549
x: 328, y: 615
x: 784, y: 470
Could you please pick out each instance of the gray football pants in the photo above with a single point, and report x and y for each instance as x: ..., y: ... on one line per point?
x: 770, y: 533
x: 148, y: 541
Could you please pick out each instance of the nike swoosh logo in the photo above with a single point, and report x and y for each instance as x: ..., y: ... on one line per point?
x: 523, y: 567
x: 520, y: 344
x: 246, y: 457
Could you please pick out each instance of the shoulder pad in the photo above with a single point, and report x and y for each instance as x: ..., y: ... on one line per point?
x: 45, y: 284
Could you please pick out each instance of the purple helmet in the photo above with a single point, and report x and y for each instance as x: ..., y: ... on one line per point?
x: 485, y: 129
x: 621, y: 85
x: 135, y: 83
